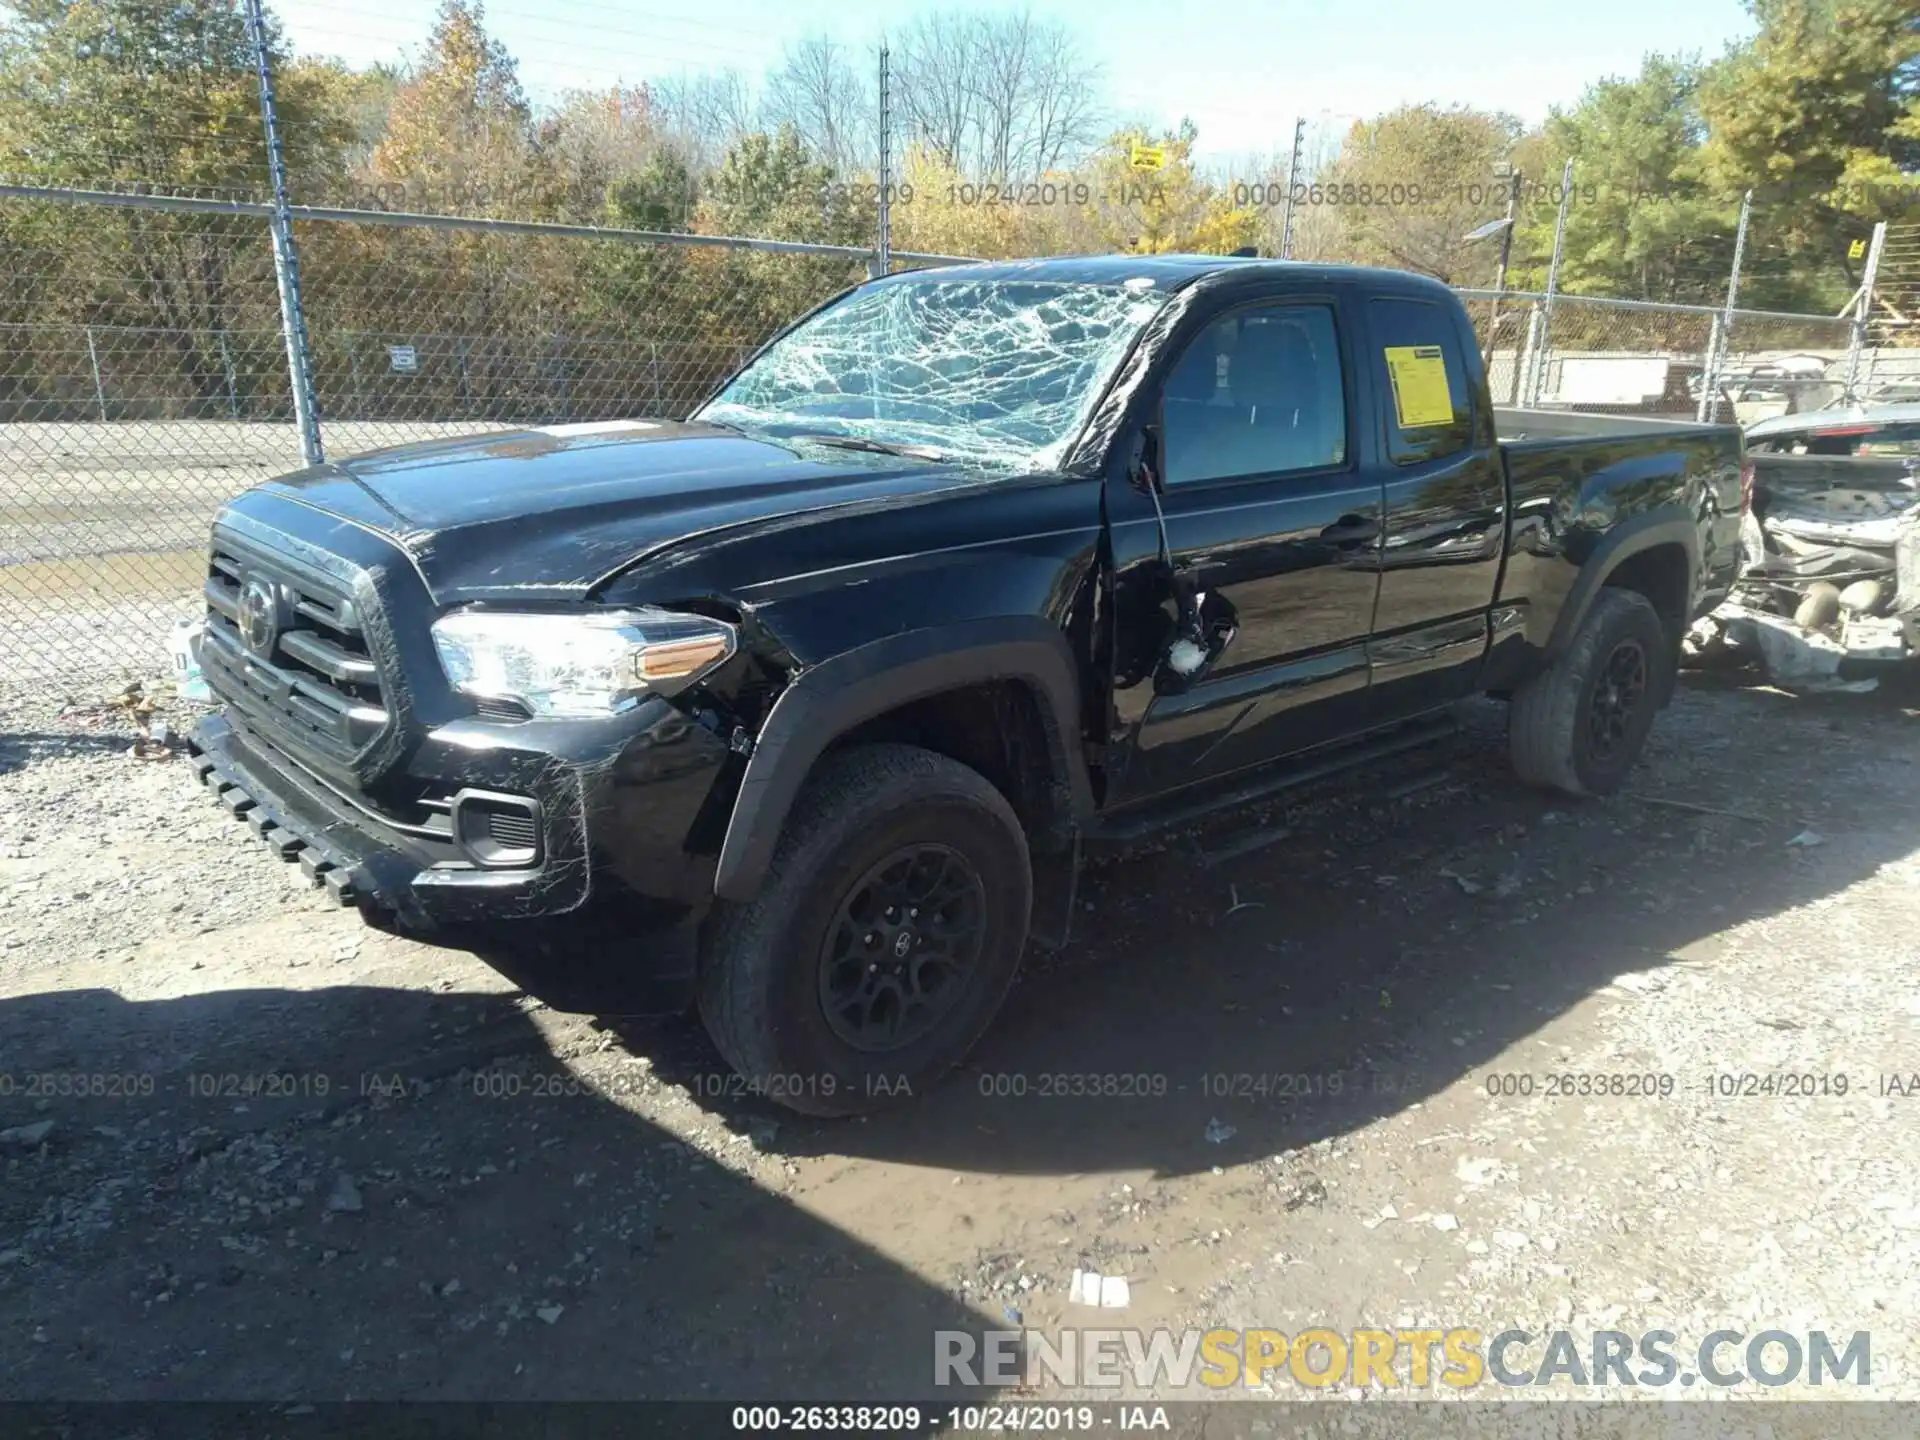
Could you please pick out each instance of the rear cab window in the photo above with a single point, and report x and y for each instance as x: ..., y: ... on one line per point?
x: 1421, y: 373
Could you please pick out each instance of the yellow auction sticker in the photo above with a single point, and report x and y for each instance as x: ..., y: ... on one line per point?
x: 1421, y: 396
x: 1147, y: 157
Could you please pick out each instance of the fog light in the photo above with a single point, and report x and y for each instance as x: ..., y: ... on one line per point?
x: 500, y: 832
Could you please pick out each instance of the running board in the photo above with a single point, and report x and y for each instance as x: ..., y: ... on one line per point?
x: 1283, y: 776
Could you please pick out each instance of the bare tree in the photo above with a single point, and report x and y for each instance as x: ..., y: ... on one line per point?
x: 1063, y: 117
x: 935, y: 85
x: 703, y: 115
x: 825, y: 92
x: 1002, y: 96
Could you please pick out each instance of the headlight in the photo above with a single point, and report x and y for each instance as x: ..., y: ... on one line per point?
x: 578, y: 665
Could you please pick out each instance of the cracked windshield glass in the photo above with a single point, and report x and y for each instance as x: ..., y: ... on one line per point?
x: 997, y: 373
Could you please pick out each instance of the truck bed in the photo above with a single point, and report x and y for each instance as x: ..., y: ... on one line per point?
x: 1518, y: 428
x: 1576, y: 477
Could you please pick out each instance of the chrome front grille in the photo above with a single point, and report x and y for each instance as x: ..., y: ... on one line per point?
x: 288, y: 651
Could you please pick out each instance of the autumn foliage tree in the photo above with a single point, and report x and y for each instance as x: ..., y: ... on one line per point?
x: 1003, y: 146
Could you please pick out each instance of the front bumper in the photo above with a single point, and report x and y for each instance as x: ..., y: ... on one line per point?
x: 610, y: 807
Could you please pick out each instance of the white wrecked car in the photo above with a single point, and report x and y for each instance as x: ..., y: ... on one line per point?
x: 1830, y: 562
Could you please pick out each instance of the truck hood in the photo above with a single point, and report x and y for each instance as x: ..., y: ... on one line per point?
x: 551, y: 513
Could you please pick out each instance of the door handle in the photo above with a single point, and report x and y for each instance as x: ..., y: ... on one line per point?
x: 1351, y: 530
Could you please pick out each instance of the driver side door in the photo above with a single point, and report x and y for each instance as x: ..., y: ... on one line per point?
x: 1274, y: 531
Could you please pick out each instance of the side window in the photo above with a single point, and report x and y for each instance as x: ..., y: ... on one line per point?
x: 1258, y: 391
x: 1423, y: 377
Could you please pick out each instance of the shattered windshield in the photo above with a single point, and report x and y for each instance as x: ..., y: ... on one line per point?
x: 995, y: 372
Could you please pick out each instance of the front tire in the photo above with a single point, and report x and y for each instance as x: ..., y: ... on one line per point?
x: 883, y: 940
x: 1580, y: 725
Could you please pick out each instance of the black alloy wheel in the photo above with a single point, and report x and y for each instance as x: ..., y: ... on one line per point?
x: 1618, y: 693
x: 900, y: 947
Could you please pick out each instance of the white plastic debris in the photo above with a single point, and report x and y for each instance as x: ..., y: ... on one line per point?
x: 1107, y: 1292
x: 1185, y: 657
x: 1219, y: 1132
x: 1477, y: 1171
x: 189, y: 683
x: 1807, y: 839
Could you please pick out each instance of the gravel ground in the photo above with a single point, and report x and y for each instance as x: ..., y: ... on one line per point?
x: 482, y: 1173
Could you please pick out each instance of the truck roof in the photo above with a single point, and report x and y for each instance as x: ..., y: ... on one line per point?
x: 1169, y: 272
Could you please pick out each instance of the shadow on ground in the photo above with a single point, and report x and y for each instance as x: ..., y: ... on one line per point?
x: 181, y: 1229
x: 1402, y: 936
x: 1358, y: 976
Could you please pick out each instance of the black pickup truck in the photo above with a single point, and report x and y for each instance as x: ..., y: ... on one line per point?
x: 967, y: 569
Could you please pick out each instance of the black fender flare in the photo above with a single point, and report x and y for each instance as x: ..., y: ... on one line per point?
x: 826, y: 700
x: 1667, y: 525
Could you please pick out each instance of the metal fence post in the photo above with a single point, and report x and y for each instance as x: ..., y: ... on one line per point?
x: 883, y: 232
x: 286, y: 258
x: 99, y: 390
x: 1539, y: 375
x: 1524, y: 361
x: 1293, y: 179
x: 1863, y: 312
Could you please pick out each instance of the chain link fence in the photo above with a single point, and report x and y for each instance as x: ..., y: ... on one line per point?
x: 144, y: 375
x: 1889, y: 367
x: 1672, y: 361
x: 144, y: 379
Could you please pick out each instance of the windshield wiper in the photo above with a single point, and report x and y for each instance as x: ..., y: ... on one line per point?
x: 878, y: 447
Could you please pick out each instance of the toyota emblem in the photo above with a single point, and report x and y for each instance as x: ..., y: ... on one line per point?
x: 260, y: 616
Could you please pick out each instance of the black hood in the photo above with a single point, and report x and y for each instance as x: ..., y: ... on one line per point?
x: 551, y: 513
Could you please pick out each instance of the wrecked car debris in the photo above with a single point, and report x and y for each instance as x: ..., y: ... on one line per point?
x: 1830, y: 549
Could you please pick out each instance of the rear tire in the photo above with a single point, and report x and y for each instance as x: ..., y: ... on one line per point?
x: 883, y: 940
x: 1580, y: 724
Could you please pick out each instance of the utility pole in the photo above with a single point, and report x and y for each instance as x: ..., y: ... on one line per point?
x: 1717, y: 342
x: 1500, y: 273
x: 286, y: 259
x: 1293, y: 179
x: 1545, y: 339
x: 883, y: 239
x: 1863, y: 311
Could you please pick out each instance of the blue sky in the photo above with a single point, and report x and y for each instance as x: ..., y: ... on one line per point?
x: 1242, y: 71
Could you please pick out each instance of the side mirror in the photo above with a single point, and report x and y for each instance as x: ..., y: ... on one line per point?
x: 1143, y: 464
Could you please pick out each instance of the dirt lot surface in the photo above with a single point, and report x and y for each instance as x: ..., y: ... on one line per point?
x: 467, y: 1176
